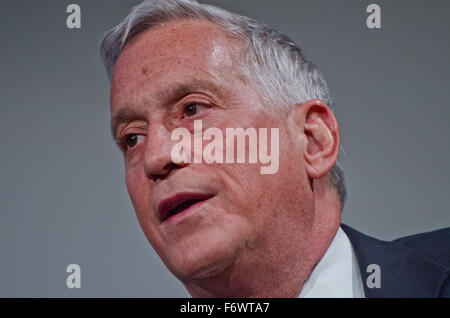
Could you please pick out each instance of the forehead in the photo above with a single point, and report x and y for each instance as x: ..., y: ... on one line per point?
x: 182, y: 50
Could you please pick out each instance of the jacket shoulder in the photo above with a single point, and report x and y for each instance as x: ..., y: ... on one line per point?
x: 413, y: 266
x: 434, y: 245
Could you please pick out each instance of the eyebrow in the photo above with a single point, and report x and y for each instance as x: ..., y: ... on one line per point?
x: 166, y: 95
x: 179, y: 90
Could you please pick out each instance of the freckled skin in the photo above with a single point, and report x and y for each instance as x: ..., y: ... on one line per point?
x: 260, y: 235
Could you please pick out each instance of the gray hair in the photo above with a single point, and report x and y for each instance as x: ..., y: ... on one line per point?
x: 270, y: 59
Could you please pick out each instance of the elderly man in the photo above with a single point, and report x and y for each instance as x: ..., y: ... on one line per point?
x: 224, y: 228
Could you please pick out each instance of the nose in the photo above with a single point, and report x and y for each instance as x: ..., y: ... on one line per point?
x: 158, y: 161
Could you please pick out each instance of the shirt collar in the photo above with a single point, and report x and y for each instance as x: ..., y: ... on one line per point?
x: 337, y: 273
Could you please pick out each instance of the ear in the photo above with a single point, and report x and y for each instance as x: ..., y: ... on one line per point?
x: 321, y: 145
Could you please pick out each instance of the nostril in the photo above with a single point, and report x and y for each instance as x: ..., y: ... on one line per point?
x: 164, y: 172
x: 171, y: 166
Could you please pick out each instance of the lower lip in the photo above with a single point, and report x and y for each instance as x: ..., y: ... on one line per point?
x: 176, y: 217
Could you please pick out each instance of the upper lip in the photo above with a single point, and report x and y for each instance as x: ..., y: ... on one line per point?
x: 178, y: 202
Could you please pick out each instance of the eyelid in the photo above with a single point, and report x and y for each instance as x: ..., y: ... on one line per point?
x: 196, y: 98
x: 132, y: 127
x: 139, y: 124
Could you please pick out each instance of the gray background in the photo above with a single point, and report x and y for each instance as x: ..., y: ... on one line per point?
x: 62, y: 190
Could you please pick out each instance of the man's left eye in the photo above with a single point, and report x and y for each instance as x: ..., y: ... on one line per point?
x: 190, y: 109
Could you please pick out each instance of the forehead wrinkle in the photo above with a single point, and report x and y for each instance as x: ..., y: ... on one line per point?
x: 213, y: 49
x: 165, y: 45
x: 153, y: 85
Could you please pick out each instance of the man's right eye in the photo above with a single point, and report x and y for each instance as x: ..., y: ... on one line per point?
x: 132, y: 140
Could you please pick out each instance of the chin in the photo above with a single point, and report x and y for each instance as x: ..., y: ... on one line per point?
x: 207, y: 259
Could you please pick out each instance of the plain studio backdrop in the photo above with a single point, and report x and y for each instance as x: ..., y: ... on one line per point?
x: 62, y: 188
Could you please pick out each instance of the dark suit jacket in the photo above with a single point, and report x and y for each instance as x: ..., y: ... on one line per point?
x: 413, y: 266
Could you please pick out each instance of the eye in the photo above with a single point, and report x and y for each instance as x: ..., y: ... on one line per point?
x: 190, y: 110
x: 132, y: 140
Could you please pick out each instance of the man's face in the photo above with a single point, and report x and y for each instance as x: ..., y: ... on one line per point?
x: 166, y: 78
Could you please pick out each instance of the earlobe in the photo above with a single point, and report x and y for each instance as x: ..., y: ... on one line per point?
x: 321, y: 145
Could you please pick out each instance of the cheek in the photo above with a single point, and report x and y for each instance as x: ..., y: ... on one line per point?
x: 140, y: 194
x: 137, y: 191
x: 247, y: 188
x: 250, y: 194
x: 285, y: 189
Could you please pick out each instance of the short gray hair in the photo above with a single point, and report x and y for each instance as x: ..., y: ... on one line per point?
x: 270, y: 59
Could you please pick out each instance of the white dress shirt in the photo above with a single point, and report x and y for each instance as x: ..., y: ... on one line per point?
x: 337, y: 274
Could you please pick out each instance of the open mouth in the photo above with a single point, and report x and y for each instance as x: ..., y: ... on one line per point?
x: 179, y: 203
